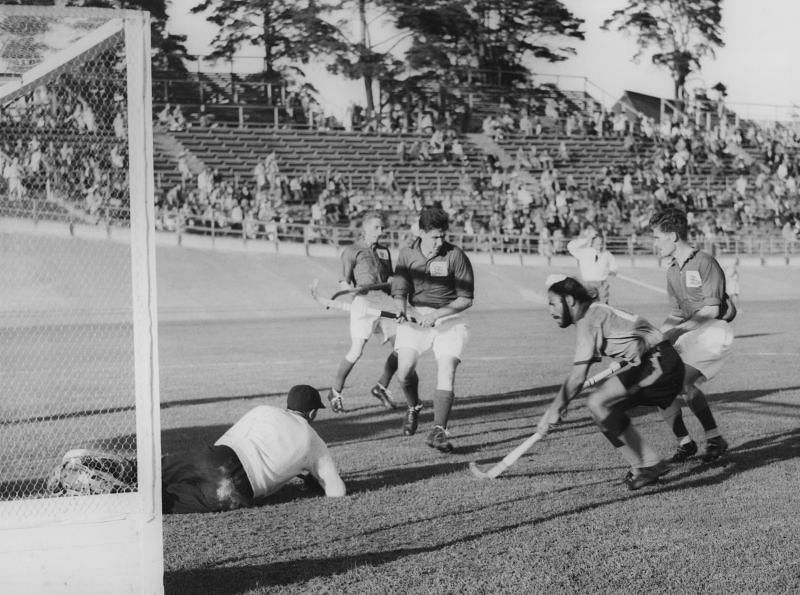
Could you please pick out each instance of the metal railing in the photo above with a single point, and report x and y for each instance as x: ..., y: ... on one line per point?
x: 338, y: 236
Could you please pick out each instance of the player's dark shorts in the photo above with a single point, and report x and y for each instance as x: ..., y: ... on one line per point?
x: 208, y: 480
x: 647, y: 386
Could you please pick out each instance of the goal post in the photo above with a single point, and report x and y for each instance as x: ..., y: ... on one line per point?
x: 78, y: 309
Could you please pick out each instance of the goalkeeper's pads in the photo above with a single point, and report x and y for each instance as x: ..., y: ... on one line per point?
x: 84, y: 472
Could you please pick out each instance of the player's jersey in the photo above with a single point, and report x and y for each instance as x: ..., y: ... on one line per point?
x: 274, y: 446
x: 699, y: 282
x: 607, y: 331
x: 432, y: 282
x: 366, y: 265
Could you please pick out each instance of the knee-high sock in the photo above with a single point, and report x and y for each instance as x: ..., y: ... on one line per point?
x: 674, y: 419
x: 410, y: 389
x: 442, y: 404
x: 389, y: 368
x: 341, y: 374
x: 699, y: 406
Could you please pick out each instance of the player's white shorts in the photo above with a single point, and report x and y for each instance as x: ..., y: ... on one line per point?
x: 707, y: 347
x: 363, y: 325
x: 447, y: 339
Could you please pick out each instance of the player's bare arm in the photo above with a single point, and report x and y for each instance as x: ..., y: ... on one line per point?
x: 327, y: 476
x: 569, y: 390
x: 697, y: 319
x: 457, y: 305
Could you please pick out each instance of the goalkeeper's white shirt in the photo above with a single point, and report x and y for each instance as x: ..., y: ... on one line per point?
x: 275, y: 445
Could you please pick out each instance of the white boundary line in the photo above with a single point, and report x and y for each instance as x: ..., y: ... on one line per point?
x: 660, y: 290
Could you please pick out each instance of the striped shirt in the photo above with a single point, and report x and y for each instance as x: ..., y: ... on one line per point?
x: 432, y: 282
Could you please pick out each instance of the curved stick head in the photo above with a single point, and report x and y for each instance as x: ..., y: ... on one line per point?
x: 478, y: 472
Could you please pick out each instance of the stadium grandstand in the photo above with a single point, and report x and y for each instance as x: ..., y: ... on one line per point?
x: 533, y: 160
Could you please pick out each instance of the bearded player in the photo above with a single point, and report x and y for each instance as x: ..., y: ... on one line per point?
x: 367, y: 268
x: 653, y: 376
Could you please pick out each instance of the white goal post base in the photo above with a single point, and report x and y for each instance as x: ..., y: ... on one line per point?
x: 110, y: 555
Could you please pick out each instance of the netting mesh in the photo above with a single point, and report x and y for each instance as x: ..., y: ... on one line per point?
x: 67, y: 354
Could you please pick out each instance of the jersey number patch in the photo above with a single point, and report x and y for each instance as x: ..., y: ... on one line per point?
x: 693, y: 279
x: 382, y: 253
x: 438, y: 269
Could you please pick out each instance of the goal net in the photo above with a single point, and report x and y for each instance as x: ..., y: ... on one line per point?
x: 78, y: 360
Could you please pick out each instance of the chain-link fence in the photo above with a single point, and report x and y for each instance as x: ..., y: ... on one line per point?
x: 66, y: 305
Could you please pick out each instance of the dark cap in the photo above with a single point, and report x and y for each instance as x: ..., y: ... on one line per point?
x: 304, y: 398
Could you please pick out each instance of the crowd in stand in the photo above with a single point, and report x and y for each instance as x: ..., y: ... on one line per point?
x: 664, y: 161
x: 80, y: 158
x: 56, y: 149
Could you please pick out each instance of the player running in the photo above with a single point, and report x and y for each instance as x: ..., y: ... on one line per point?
x: 433, y: 283
x: 697, y: 325
x: 654, y: 375
x: 367, y: 265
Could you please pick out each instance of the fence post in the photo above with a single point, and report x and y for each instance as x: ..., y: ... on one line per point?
x: 213, y: 228
x: 519, y: 250
x: 786, y: 251
x: 761, y: 252
x: 179, y: 227
x: 306, y: 233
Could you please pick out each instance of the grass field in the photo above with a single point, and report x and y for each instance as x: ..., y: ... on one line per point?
x: 416, y: 521
x: 239, y: 329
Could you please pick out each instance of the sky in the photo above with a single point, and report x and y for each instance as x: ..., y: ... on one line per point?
x: 757, y: 64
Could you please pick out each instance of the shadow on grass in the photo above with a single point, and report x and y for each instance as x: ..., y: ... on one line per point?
x: 747, y: 456
x: 754, y: 335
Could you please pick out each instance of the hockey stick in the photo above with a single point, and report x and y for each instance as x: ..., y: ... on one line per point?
x: 346, y: 306
x: 362, y: 289
x: 329, y: 303
x: 520, y: 450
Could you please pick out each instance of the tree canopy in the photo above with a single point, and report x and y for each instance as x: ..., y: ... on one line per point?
x: 682, y: 32
x: 488, y: 35
x: 287, y: 31
x: 168, y: 50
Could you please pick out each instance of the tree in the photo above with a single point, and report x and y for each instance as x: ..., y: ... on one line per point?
x: 489, y: 35
x: 683, y: 31
x: 360, y: 58
x: 168, y: 50
x: 287, y: 31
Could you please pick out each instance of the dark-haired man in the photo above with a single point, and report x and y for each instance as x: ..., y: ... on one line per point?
x: 653, y: 376
x: 697, y: 325
x: 433, y: 283
x: 256, y: 457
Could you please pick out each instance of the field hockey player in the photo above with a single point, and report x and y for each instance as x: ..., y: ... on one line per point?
x: 434, y: 283
x: 653, y: 376
x: 367, y: 263
x: 698, y: 326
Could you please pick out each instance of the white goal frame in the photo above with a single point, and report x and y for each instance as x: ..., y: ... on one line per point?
x: 55, y: 545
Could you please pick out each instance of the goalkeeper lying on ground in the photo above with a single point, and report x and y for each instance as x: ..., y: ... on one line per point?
x: 257, y: 456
